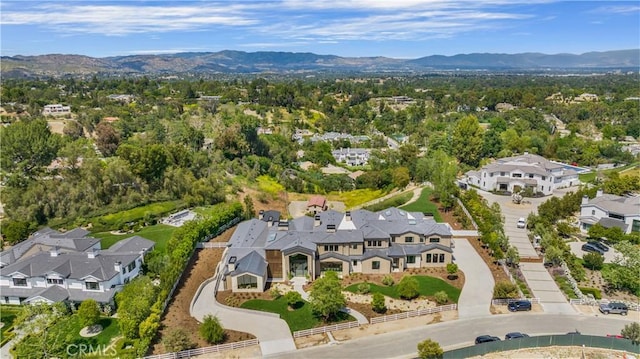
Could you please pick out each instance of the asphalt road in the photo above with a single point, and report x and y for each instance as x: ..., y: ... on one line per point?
x: 461, y: 333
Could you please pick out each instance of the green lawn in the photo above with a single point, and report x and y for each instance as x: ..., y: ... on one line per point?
x: 298, y: 319
x: 589, y: 177
x: 424, y: 205
x: 355, y: 197
x: 159, y: 233
x: 395, y: 201
x: 66, y: 334
x: 115, y: 220
x: 7, y: 316
x: 427, y: 286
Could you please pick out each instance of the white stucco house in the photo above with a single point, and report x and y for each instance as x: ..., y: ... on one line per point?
x: 51, y: 266
x: 352, y: 156
x: 521, y: 172
x: 609, y: 211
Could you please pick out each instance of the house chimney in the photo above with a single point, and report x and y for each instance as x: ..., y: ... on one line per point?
x: 93, y: 253
x: 117, y: 266
x: 270, y: 222
x: 261, y: 214
x: 347, y: 216
x: 231, y: 266
x: 316, y: 220
x: 283, y: 225
x: 54, y: 251
x: 585, y: 200
x: 599, y: 193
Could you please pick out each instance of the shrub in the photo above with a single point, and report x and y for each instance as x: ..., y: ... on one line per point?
x: 89, y: 312
x: 293, y: 298
x: 408, y: 288
x: 388, y: 280
x: 177, y: 340
x: 505, y: 289
x: 593, y: 261
x: 593, y: 291
x: 631, y: 331
x: 429, y: 349
x: 211, y: 330
x: 377, y: 303
x: 275, y: 293
x: 364, y: 288
x: 452, y: 270
x: 441, y: 297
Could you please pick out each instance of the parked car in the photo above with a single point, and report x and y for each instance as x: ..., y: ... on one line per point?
x: 515, y: 335
x: 486, y: 339
x: 521, y: 223
x: 603, y: 247
x: 615, y: 308
x: 587, y: 247
x: 519, y: 305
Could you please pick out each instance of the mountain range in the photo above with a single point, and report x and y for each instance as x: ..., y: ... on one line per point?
x: 239, y: 62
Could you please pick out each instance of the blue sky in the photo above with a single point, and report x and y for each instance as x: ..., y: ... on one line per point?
x: 392, y: 28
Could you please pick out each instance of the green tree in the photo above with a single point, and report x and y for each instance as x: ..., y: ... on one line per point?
x: 177, y: 340
x: 505, y: 289
x: 326, y: 296
x: 211, y: 330
x: 467, y: 140
x: 107, y: 139
x: 553, y: 254
x: 27, y: 146
x: 623, y: 273
x: 15, y: 231
x: 593, y: 261
x: 89, y: 312
x: 512, y: 256
x: 34, y: 321
x: 73, y: 129
x: 293, y: 299
x: 378, y: 303
x: 631, y: 331
x: 401, y: 177
x: 452, y: 270
x: 408, y: 287
x: 249, y: 209
x: 429, y: 349
x: 134, y: 305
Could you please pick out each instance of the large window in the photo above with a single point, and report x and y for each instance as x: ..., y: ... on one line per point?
x: 411, y: 259
x: 55, y: 281
x: 434, y: 240
x: 635, y: 226
x: 408, y: 239
x: 92, y: 285
x: 441, y: 257
x: 247, y: 281
x: 428, y: 258
x: 131, y: 266
x: 330, y: 247
x: 375, y: 265
x: 20, y: 282
x: 516, y: 175
x: 331, y: 266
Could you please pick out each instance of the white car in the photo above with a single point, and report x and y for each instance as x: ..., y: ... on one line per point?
x: 521, y: 223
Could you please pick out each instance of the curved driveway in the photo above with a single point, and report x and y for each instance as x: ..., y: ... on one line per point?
x: 461, y: 333
x: 272, y: 332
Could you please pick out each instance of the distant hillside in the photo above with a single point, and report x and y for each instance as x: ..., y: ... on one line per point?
x: 289, y: 62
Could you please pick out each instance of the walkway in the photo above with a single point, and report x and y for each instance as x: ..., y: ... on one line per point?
x: 298, y: 286
x: 272, y: 332
x: 476, y: 295
x: 537, y: 277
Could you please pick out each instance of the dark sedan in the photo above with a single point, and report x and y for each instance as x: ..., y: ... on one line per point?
x: 486, y: 339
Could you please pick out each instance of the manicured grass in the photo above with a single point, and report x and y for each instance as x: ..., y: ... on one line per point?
x: 67, y: 332
x: 298, y: 319
x: 427, y: 286
x: 7, y: 317
x: 159, y: 233
x: 424, y: 205
x: 591, y: 176
x: 631, y: 171
x: 355, y: 197
x: 395, y: 201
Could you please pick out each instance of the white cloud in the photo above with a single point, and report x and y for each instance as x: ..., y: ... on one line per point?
x: 617, y: 9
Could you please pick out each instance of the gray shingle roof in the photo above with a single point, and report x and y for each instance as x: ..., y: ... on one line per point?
x: 54, y: 294
x: 253, y: 263
x: 335, y: 255
x: 135, y: 244
x: 617, y: 204
x: 607, y: 222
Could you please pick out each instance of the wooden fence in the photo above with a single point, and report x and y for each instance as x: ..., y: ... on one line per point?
x: 206, y: 350
x: 328, y: 328
x: 414, y: 313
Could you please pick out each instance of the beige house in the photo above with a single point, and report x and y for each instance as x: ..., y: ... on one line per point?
x: 271, y: 250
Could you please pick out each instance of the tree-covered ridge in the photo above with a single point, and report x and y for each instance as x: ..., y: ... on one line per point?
x: 164, y: 141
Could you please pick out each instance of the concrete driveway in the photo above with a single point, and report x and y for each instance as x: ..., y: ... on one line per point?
x: 272, y: 332
x: 475, y: 298
x: 576, y: 248
x: 538, y: 278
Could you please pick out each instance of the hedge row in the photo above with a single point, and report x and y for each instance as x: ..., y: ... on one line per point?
x: 180, y: 249
x: 489, y: 221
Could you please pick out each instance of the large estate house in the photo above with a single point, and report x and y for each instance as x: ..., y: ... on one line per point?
x: 610, y: 210
x: 521, y: 172
x: 268, y: 249
x: 51, y: 266
x: 352, y: 156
